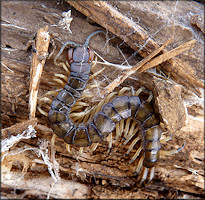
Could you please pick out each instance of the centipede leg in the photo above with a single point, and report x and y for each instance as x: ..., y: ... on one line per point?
x: 45, y: 100
x: 127, y: 125
x: 166, y: 139
x: 53, y: 140
x: 139, y: 165
x: 68, y: 148
x: 136, y: 155
x: 173, y: 151
x: 110, y: 142
x: 143, y: 176
x: 42, y: 111
x: 96, y: 73
x: 81, y: 150
x: 59, y: 81
x: 123, y: 90
x: 93, y: 147
x: 131, y: 133
x: 64, y: 77
x: 133, y: 144
x: 141, y: 89
x: 150, y: 97
x: 121, y: 127
x: 151, y: 174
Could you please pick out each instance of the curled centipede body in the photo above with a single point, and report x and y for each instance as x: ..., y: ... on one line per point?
x: 111, y: 113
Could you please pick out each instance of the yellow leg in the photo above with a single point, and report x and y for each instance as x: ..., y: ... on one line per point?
x: 141, y: 89
x: 53, y: 140
x: 133, y: 144
x: 59, y: 81
x: 127, y: 126
x: 165, y: 139
x: 81, y: 151
x: 173, y: 151
x: 143, y: 176
x: 93, y: 147
x: 42, y: 111
x: 139, y: 165
x: 94, y: 63
x: 65, y: 78
x: 68, y: 148
x: 119, y: 129
x: 96, y: 73
x: 137, y: 153
x: 131, y: 133
x: 151, y: 174
x: 45, y: 100
x: 107, y: 99
x: 123, y: 90
x: 110, y: 142
x: 150, y: 97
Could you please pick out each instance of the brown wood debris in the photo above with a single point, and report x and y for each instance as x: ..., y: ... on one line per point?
x: 134, y: 35
x: 41, y: 44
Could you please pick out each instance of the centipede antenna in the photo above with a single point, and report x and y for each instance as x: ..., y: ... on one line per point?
x: 173, y: 151
x: 91, y: 35
x: 137, y: 153
x: 70, y: 43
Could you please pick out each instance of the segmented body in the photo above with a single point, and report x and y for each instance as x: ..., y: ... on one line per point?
x: 104, y: 122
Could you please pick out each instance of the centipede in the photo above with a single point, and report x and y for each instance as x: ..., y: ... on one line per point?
x: 121, y: 108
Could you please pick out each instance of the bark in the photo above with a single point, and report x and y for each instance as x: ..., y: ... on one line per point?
x: 32, y: 167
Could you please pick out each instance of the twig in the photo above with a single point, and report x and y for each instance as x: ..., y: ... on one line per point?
x: 147, y: 63
x: 38, y: 60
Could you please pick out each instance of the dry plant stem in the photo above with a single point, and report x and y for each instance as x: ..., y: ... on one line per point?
x: 39, y: 56
x: 148, y: 63
x: 134, y: 35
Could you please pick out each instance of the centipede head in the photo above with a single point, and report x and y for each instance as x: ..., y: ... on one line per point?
x: 80, y: 55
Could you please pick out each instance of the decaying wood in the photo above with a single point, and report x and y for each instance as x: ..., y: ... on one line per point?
x: 40, y: 54
x: 136, y: 37
x: 25, y: 174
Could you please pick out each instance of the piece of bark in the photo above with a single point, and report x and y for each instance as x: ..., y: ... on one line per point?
x: 134, y: 35
x: 40, y: 45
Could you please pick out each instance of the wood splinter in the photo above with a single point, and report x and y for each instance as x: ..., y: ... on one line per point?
x: 39, y: 55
